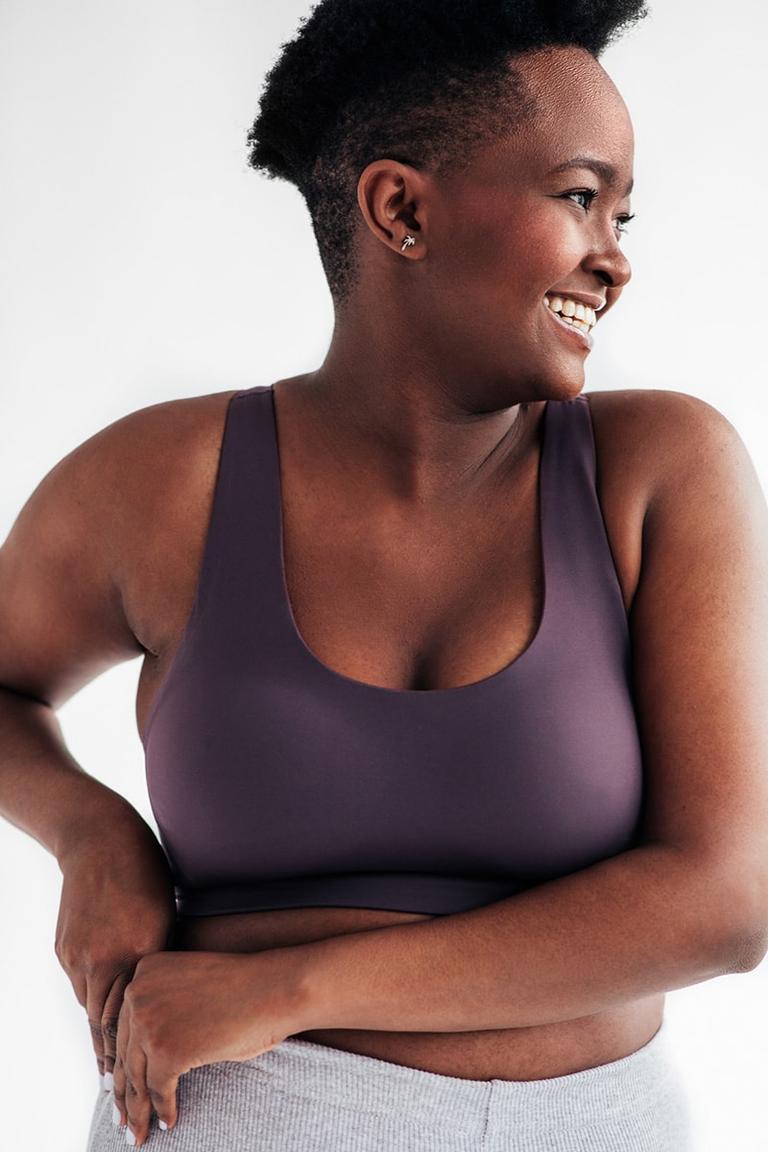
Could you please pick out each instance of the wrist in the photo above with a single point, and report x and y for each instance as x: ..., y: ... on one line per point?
x: 313, y: 984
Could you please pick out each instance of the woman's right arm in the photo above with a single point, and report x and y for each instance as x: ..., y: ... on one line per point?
x: 62, y: 623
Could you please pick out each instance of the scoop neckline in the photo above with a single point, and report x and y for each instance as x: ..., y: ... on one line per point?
x: 474, y: 686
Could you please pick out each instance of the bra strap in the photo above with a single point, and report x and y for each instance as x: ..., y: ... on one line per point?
x: 582, y: 578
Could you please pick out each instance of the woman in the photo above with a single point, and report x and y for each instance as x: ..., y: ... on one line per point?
x: 436, y: 732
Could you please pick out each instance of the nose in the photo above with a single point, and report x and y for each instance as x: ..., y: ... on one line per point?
x: 610, y: 265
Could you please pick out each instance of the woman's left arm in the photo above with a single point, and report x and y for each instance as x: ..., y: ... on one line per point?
x: 691, y: 902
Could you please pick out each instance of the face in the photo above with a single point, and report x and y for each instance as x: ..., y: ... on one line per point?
x: 493, y: 241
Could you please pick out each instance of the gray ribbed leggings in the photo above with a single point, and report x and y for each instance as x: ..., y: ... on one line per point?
x: 307, y: 1097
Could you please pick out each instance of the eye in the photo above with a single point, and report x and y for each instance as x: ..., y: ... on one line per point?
x: 590, y: 194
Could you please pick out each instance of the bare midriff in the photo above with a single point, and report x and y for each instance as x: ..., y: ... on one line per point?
x: 531, y: 1053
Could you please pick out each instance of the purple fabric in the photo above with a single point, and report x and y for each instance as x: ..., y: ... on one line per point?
x: 277, y: 782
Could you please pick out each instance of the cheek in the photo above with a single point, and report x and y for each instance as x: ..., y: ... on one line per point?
x: 549, y: 248
x: 492, y: 269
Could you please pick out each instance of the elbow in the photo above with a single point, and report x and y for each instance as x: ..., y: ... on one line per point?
x: 736, y: 923
x: 748, y: 949
x: 747, y: 924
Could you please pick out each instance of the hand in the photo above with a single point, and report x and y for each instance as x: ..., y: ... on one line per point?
x: 117, y: 903
x: 185, y: 1009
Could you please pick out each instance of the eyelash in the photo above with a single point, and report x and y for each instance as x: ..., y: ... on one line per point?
x: 591, y: 193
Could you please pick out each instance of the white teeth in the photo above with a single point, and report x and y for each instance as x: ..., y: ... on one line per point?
x: 572, y: 310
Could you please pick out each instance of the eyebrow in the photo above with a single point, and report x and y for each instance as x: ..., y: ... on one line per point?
x: 602, y: 168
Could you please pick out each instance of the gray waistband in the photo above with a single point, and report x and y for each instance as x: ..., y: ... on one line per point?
x: 302, y: 1095
x: 594, y: 1096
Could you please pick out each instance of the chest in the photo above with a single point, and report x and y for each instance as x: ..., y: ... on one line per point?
x: 416, y: 602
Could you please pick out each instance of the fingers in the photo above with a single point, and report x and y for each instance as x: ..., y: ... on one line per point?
x: 118, y: 1071
x: 109, y: 1018
x: 143, y: 1080
x: 140, y: 1092
x: 137, y: 1102
x: 130, y: 1081
x: 162, y: 1092
x: 95, y: 991
x: 97, y: 1040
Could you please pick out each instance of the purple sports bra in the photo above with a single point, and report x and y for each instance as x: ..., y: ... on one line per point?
x: 277, y: 782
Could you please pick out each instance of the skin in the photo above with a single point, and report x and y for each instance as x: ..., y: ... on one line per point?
x: 418, y: 409
x: 455, y: 336
x: 452, y: 330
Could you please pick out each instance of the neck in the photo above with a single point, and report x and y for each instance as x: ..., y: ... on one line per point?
x: 409, y: 437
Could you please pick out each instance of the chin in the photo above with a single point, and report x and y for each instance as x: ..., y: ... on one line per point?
x: 555, y: 386
x: 566, y: 389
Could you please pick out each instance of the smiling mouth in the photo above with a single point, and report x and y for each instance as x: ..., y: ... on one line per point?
x: 577, y: 333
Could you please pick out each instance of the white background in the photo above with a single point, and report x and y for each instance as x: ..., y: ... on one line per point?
x: 143, y: 260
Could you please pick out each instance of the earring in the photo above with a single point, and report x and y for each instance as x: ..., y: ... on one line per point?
x: 409, y: 240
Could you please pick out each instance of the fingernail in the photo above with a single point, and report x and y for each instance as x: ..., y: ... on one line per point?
x: 115, y: 1114
x: 108, y: 1081
x: 129, y: 1137
x: 163, y: 1125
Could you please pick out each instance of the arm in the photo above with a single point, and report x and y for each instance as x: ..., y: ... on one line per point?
x: 625, y: 928
x: 691, y: 901
x: 72, y: 604
x: 45, y: 792
x: 61, y: 625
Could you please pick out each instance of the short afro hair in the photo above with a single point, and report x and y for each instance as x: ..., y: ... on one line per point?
x: 424, y: 82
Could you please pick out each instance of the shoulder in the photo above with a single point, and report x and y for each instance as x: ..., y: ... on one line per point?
x: 139, y: 452
x: 654, y: 411
x: 158, y: 467
x: 94, y: 521
x: 657, y: 434
x: 158, y: 437
x: 130, y: 466
x: 145, y: 475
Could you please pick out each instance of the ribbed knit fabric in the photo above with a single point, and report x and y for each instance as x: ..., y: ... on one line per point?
x: 307, y: 1097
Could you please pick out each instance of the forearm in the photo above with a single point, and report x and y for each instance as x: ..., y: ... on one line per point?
x: 44, y: 791
x: 643, y: 922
